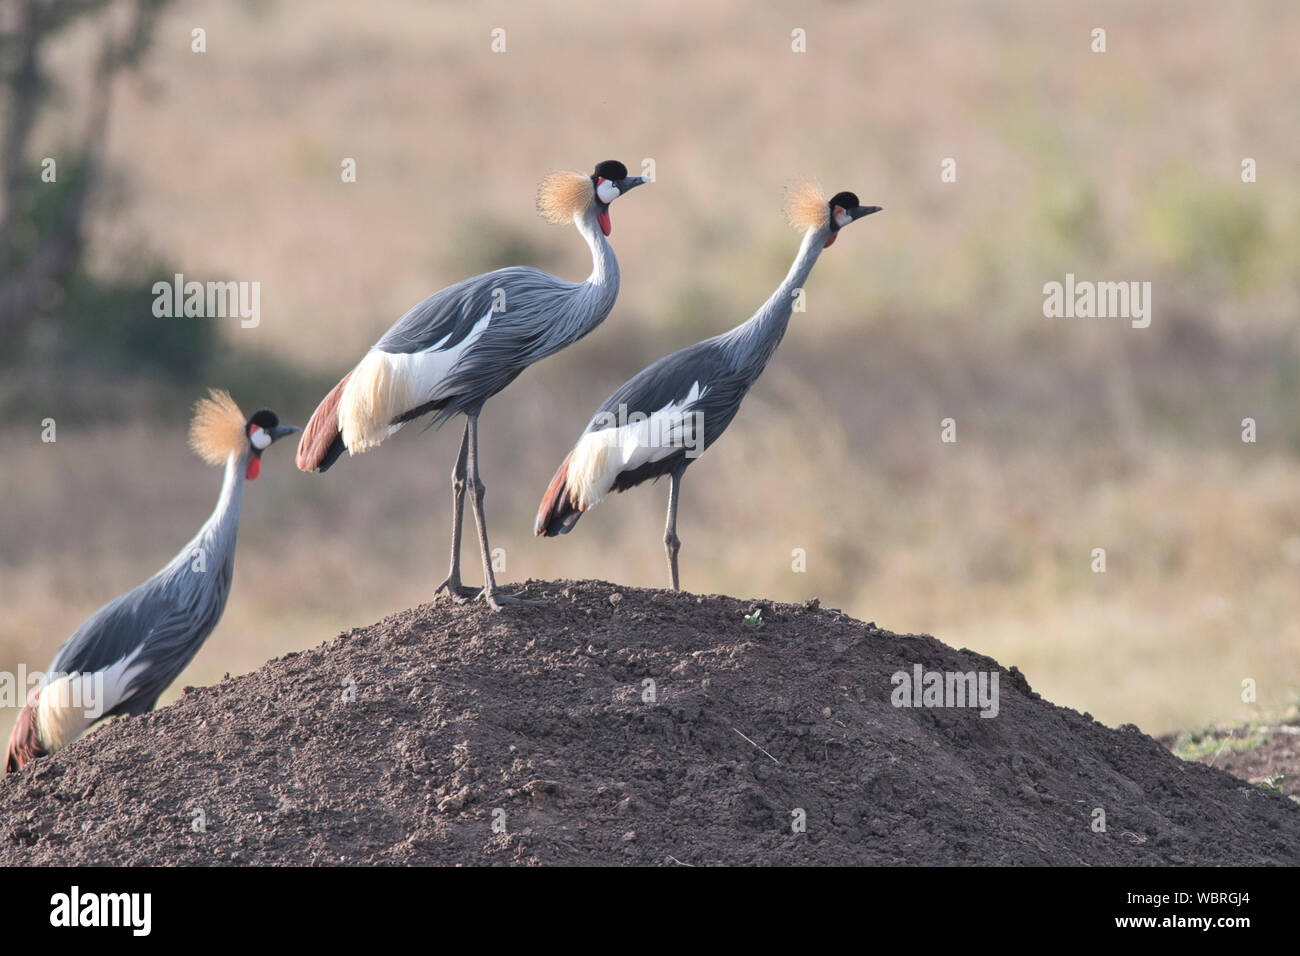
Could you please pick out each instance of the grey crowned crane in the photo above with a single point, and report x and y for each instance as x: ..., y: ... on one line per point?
x: 127, y: 653
x: 461, y: 346
x: 659, y: 421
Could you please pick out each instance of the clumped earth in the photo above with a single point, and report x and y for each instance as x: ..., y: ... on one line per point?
x: 407, y: 741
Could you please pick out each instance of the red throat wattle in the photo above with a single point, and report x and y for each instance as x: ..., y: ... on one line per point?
x: 604, y: 221
x: 254, y: 469
x: 834, y: 236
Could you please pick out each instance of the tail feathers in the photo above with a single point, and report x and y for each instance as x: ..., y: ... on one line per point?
x: 557, y: 513
x: 24, y: 742
x: 322, y: 442
x: 381, y: 389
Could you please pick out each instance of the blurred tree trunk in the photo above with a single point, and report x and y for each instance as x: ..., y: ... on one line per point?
x: 37, y: 259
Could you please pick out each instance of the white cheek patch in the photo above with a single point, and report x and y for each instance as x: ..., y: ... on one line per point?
x: 607, y: 192
x: 259, y: 437
x: 842, y: 218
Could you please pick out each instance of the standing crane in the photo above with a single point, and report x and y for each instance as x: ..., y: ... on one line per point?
x: 666, y: 415
x: 127, y: 653
x: 461, y: 346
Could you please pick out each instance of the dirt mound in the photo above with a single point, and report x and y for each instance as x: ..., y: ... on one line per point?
x: 407, y: 741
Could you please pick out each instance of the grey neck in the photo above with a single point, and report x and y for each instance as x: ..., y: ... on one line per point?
x: 587, y: 303
x: 217, y: 536
x: 604, y: 276
x: 753, y: 342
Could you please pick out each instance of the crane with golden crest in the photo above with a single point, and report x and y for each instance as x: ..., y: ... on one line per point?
x: 127, y: 653
x: 665, y: 416
x: 452, y: 352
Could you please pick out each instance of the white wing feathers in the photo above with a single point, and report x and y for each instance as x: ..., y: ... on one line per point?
x: 385, y: 385
x: 627, y: 442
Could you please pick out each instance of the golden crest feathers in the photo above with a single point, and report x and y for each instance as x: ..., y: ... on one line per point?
x: 562, y: 194
x: 217, y: 428
x: 806, y: 206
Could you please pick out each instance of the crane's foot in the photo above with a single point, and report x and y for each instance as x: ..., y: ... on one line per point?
x: 496, y: 599
x: 460, y: 593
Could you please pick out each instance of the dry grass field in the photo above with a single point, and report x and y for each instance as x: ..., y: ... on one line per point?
x: 1072, y: 434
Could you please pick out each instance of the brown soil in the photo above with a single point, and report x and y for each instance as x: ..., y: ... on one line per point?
x: 535, y: 718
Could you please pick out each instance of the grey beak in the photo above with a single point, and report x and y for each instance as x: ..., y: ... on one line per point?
x: 858, y: 212
x: 280, y: 431
x: 630, y: 182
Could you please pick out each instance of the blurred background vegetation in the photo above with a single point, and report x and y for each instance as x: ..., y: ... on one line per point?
x: 1073, y: 434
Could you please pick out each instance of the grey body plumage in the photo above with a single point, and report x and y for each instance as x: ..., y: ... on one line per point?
x: 531, y: 315
x: 166, y: 619
x: 723, y: 367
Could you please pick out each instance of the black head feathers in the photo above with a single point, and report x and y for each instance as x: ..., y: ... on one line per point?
x: 610, y: 169
x: 264, y: 418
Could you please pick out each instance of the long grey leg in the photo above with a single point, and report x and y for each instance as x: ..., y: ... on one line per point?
x: 673, y: 544
x: 491, y: 594
x: 459, y: 592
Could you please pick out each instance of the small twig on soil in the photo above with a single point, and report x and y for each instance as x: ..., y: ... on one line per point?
x: 679, y: 862
x: 774, y: 760
x: 1219, y: 751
